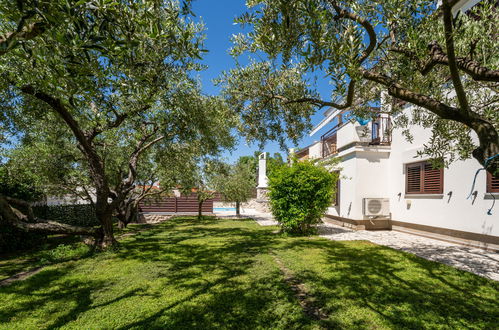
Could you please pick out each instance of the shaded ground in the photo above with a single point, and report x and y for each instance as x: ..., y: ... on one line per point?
x: 12, y: 264
x: 212, y: 274
x: 55, y: 250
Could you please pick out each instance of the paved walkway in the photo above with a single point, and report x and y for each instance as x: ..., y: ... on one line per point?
x: 478, y: 261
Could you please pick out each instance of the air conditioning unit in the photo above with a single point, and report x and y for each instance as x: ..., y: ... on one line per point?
x: 377, y: 207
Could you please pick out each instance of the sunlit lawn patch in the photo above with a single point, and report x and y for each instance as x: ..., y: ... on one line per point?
x: 206, y: 274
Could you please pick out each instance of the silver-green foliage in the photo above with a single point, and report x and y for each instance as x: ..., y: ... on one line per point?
x: 446, y: 66
x: 115, y: 80
x: 237, y: 183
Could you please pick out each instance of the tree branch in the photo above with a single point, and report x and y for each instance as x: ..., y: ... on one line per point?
x: 95, y: 161
x: 343, y: 13
x: 451, y: 54
x: 88, y: 195
x: 473, y: 68
x: 27, y: 32
x: 320, y: 103
x: 487, y: 134
x: 62, y: 111
x: 126, y: 185
x: 120, y: 118
x: 396, y: 90
x: 438, y: 57
x: 15, y: 218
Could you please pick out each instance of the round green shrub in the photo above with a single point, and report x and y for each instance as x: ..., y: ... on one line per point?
x: 300, y: 195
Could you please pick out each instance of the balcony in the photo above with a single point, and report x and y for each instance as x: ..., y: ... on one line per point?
x: 303, y: 154
x: 329, y: 142
x: 377, y: 133
x: 381, y: 131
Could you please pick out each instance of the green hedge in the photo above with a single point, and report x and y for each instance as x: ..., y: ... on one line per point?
x: 77, y: 215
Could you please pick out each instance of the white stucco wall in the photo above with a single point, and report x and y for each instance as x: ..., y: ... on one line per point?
x: 347, y: 134
x: 364, y: 174
x: 380, y: 172
x: 315, y: 150
x: 450, y: 210
x: 346, y: 207
x: 65, y: 200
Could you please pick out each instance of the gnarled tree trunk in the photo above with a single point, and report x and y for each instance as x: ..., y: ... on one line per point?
x: 29, y: 223
x: 238, y: 209
x: 106, y: 220
x: 200, y: 209
x: 488, y: 151
x: 127, y: 213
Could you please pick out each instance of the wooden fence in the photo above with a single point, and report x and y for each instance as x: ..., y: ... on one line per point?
x: 183, y: 204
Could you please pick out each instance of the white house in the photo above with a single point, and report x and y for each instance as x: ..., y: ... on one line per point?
x: 384, y: 185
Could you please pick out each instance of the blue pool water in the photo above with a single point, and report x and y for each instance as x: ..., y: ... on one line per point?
x: 224, y: 209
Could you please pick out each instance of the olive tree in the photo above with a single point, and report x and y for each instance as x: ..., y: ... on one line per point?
x: 236, y: 183
x: 117, y: 77
x: 421, y: 52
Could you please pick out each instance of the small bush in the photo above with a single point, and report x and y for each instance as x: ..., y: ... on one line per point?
x: 300, y: 195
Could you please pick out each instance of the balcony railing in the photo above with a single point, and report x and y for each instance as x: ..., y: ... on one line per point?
x: 381, y: 131
x: 381, y: 134
x: 329, y: 142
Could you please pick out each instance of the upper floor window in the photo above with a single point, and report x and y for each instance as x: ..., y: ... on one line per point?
x: 423, y: 178
x: 492, y: 183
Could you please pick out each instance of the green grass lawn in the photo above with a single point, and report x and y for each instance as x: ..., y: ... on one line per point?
x: 224, y: 274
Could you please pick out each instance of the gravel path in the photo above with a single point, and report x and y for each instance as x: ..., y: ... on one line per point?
x: 478, y: 261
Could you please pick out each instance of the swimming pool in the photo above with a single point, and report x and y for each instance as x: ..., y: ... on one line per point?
x: 224, y: 209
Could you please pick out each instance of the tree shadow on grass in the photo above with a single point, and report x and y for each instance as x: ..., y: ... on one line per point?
x: 51, y: 289
x: 214, y: 264
x: 230, y: 303
x: 45, y: 288
x: 402, y: 289
x: 15, y: 262
x: 193, y: 251
x: 212, y: 274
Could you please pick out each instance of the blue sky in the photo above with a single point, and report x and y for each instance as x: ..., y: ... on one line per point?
x: 218, y: 16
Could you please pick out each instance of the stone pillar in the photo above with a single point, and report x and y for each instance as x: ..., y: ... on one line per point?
x: 262, y: 189
x: 262, y: 171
